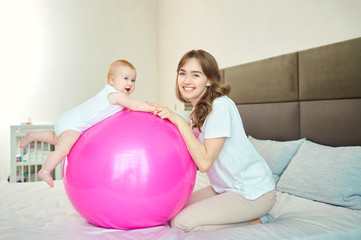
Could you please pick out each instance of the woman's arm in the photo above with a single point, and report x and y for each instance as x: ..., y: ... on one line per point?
x: 204, y: 154
x: 118, y: 98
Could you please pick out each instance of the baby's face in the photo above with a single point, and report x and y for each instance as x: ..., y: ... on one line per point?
x: 123, y: 79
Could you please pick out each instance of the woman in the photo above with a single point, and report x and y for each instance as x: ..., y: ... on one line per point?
x: 242, y: 188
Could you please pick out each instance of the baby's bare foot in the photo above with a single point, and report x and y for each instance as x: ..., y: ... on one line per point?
x: 45, y: 175
x: 27, y: 139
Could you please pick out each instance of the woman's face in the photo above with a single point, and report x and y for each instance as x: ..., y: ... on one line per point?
x: 192, y: 82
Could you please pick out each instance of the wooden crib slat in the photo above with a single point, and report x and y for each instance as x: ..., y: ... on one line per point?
x: 21, y: 173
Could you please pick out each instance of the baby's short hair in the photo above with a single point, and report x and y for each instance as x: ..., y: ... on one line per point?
x: 118, y: 63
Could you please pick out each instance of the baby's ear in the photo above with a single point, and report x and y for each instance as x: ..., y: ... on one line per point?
x: 110, y: 79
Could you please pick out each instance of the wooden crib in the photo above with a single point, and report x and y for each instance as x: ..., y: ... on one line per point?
x: 26, y: 162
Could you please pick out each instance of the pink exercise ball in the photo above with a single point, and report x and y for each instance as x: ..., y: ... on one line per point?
x: 132, y: 170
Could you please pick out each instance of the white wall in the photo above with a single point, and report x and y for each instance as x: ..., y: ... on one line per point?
x: 240, y: 31
x: 55, y: 54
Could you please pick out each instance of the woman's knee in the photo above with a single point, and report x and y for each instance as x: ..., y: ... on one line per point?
x: 174, y: 223
x: 181, y: 223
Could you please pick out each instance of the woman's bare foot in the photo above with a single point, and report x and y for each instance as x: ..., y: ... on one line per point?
x: 27, y: 139
x: 45, y: 175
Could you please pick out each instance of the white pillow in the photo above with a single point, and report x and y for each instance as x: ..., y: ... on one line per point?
x: 277, y: 154
x: 325, y: 174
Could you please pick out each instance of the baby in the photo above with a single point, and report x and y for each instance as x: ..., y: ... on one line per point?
x: 70, y: 125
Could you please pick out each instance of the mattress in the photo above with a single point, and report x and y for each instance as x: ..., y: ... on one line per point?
x: 35, y: 211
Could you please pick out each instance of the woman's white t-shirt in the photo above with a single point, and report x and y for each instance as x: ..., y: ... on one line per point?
x: 239, y: 167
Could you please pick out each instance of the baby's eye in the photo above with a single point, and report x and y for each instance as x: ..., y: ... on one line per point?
x: 126, y: 78
x: 133, y: 81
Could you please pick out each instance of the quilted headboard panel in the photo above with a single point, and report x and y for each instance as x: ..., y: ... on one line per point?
x: 279, y: 74
x: 330, y: 72
x: 315, y: 93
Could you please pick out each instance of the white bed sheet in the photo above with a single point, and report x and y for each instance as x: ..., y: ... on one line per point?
x: 35, y: 211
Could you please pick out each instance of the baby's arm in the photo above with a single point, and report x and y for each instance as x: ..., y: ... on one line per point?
x: 118, y: 98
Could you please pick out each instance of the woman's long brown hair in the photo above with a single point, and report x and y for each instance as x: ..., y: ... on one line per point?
x: 210, y: 68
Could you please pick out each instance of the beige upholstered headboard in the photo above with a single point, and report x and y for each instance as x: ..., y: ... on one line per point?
x: 313, y: 94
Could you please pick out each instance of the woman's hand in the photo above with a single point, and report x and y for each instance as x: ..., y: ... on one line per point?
x: 166, y: 113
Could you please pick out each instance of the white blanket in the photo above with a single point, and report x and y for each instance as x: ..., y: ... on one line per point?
x: 35, y: 211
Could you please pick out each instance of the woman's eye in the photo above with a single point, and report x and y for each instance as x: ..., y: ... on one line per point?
x: 196, y: 75
x: 182, y: 74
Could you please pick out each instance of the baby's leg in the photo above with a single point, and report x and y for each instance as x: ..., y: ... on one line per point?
x: 47, y: 136
x: 65, y: 142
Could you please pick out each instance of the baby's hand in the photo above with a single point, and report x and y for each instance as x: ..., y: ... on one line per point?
x: 153, y: 104
x: 162, y: 112
x: 155, y: 111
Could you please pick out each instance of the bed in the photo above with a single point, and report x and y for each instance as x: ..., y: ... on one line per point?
x: 302, y: 112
